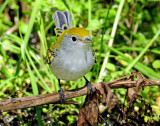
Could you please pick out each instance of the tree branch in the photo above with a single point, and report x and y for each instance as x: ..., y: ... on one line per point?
x: 53, y: 98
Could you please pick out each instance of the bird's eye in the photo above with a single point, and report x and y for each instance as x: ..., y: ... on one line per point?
x: 74, y: 38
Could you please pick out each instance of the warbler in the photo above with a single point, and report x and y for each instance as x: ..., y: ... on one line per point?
x: 70, y: 56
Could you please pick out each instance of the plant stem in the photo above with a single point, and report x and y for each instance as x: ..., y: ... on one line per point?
x: 102, y: 72
x: 89, y: 15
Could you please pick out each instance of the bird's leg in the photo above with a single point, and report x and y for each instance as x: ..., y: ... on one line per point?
x: 61, y: 93
x: 89, y: 86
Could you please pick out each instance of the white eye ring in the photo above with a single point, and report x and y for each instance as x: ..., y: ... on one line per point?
x: 74, y: 38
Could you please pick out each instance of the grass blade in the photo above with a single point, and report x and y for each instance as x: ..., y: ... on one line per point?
x: 142, y: 53
x: 51, y: 77
x: 4, y: 82
x: 32, y: 78
x: 37, y: 72
x: 3, y: 6
x: 139, y: 66
x: 101, y: 74
x: 31, y: 22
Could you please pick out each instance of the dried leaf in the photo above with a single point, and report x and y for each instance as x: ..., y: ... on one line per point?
x: 89, y: 113
x: 158, y: 100
x: 130, y: 93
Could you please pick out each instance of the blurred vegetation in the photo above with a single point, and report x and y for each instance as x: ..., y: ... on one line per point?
x: 27, y: 30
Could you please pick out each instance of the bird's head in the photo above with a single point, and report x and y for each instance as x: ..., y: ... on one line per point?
x: 76, y: 36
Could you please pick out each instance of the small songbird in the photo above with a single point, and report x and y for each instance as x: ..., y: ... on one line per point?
x: 70, y: 56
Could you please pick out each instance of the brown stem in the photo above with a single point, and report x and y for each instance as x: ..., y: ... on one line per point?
x: 53, y: 98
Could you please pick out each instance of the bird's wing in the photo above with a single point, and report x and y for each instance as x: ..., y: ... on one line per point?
x: 49, y: 57
x: 93, y: 53
x: 52, y: 51
x: 54, y: 48
x: 63, y: 21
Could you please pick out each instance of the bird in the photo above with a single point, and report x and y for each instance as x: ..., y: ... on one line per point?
x: 70, y: 57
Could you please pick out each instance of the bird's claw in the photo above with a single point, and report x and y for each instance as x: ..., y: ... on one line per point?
x: 90, y: 88
x: 61, y: 95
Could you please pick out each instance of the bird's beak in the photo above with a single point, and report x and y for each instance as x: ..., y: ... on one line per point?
x: 87, y: 40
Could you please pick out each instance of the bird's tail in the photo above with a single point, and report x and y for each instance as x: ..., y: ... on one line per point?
x: 63, y: 21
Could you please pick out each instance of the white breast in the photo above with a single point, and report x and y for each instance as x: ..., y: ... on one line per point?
x: 72, y: 65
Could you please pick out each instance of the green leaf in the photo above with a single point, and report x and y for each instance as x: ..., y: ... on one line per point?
x: 110, y: 67
x: 4, y: 82
x: 6, y: 72
x: 156, y: 64
x: 14, y: 38
x: 23, y: 27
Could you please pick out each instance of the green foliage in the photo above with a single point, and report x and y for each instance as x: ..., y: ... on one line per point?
x: 156, y: 64
x: 27, y: 32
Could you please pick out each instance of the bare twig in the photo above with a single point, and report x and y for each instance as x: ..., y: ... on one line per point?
x: 32, y: 101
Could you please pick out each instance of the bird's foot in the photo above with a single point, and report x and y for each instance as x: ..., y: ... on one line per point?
x: 61, y: 95
x: 90, y: 88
